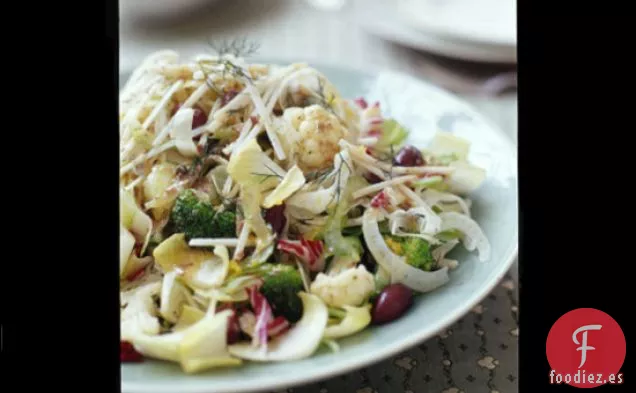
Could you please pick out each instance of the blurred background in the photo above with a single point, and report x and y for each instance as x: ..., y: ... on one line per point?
x: 468, y: 47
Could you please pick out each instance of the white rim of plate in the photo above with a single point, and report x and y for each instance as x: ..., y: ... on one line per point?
x: 336, y: 368
x: 456, y: 31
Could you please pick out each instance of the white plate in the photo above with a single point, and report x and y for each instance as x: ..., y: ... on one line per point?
x: 380, y: 19
x: 158, y: 8
x: 424, y: 109
x: 492, y: 22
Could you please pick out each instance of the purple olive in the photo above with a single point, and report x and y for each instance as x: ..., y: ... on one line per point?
x: 275, y: 216
x: 409, y: 156
x: 233, y: 327
x: 199, y: 118
x: 392, y: 302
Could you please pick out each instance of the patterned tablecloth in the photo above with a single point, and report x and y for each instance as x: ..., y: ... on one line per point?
x: 479, y: 352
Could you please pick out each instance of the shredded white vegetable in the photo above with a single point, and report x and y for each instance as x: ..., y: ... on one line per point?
x: 382, y: 185
x: 213, y: 242
x: 161, y: 105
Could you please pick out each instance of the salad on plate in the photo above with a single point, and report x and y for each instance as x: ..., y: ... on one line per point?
x: 263, y: 215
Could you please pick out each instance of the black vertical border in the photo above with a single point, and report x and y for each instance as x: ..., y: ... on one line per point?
x: 574, y: 123
x: 59, y: 279
x: 112, y: 285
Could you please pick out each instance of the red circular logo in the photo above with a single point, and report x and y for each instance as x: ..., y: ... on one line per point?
x: 585, y: 349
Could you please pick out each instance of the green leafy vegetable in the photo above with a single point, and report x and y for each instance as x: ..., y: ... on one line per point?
x: 393, y: 134
x: 281, y: 286
x: 335, y: 241
x: 417, y: 251
x: 196, y: 218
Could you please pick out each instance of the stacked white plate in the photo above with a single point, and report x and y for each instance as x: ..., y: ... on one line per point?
x: 144, y: 9
x: 474, y: 30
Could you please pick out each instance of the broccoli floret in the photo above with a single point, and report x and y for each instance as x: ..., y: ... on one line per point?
x: 416, y: 251
x: 281, y: 284
x: 225, y: 224
x: 197, y: 218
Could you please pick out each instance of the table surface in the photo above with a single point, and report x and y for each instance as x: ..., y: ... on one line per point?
x: 479, y: 353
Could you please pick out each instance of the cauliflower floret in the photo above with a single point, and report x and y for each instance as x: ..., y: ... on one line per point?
x: 318, y: 135
x: 294, y: 116
x: 351, y: 287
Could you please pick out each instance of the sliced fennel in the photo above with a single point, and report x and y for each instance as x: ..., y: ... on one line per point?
x: 320, y: 200
x: 181, y: 131
x: 299, y: 342
x: 393, y: 135
x: 249, y: 166
x: 189, y: 316
x: 175, y: 252
x: 139, y: 314
x: 340, y: 246
x: 249, y: 202
x: 292, y: 182
x: 434, y: 197
x: 204, y: 344
x: 126, y: 244
x: 133, y: 218
x: 356, y: 319
x: 473, y: 237
x: 422, y: 222
x: 199, y: 346
x: 400, y: 271
x: 155, y: 187
x: 174, y: 296
x: 447, y: 144
x: 209, y: 273
x: 465, y: 177
x: 163, y: 347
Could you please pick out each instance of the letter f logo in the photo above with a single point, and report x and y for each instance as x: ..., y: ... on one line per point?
x: 584, y: 348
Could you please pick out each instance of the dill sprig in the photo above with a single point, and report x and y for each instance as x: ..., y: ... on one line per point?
x: 320, y: 175
x: 323, y: 100
x: 224, y: 66
x: 388, y: 158
x: 343, y: 161
x: 238, y: 47
x: 338, y: 177
x: 267, y: 176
